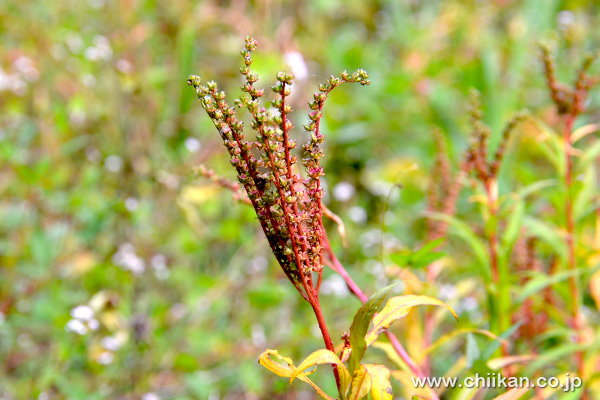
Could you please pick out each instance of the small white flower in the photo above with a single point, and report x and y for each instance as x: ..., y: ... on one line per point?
x: 158, y: 261
x: 127, y: 259
x: 82, y: 313
x: 343, y: 191
x: 74, y: 43
x: 192, y: 144
x: 150, y: 396
x: 335, y: 285
x: 296, y: 62
x: 358, y: 214
x: 58, y: 51
x: 76, y: 326
x: 177, y: 311
x: 93, y: 324
x: 256, y: 265
x: 131, y: 204
x: 92, y: 154
x: 113, y: 163
x: 112, y: 343
x: 124, y: 66
x: 565, y: 18
x: 25, y: 67
x: 469, y: 304
x: 447, y: 292
x: 88, y: 80
x: 105, y: 358
x: 77, y: 117
x: 258, y: 335
x: 97, y: 3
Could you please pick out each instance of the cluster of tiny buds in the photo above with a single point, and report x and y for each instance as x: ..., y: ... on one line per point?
x: 476, y: 159
x: 288, y: 206
x: 568, y: 99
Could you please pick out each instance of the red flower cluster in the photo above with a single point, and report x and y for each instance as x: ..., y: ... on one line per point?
x: 288, y: 205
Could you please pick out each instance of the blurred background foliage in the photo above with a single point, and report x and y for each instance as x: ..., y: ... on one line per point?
x: 124, y: 276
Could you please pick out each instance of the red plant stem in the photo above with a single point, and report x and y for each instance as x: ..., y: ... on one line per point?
x: 491, y: 191
x: 493, y: 237
x: 570, y: 226
x: 404, y: 356
x: 325, y: 333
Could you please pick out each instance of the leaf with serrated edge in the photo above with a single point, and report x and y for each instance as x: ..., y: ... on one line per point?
x: 361, y: 384
x: 286, y: 371
x: 360, y: 326
x: 381, y: 388
x: 322, y: 356
x: 398, y: 307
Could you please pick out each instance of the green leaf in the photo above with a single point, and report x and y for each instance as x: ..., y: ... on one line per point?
x: 541, y: 281
x: 536, y: 187
x: 547, y: 233
x: 559, y: 353
x: 360, y: 325
x: 428, y: 247
x: 463, y: 230
x: 443, y: 339
x: 419, y: 258
x: 398, y: 307
x: 472, y: 352
x: 513, y: 227
x: 402, y: 259
x: 426, y: 259
x: 590, y: 155
x: 495, y: 345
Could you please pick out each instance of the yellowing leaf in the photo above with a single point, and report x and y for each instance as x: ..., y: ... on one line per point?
x: 398, y: 307
x: 274, y: 366
x: 381, y: 388
x: 501, y: 362
x: 287, y: 370
x: 361, y: 384
x: 322, y: 356
x: 512, y: 394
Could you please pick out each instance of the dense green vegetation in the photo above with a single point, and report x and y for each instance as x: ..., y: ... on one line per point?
x: 124, y: 275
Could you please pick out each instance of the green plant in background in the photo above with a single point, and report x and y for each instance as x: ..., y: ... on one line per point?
x: 123, y: 276
x: 290, y: 211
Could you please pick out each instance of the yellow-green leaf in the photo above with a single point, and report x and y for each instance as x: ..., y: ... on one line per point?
x: 398, y: 307
x: 274, y: 366
x: 322, y: 356
x: 443, y: 339
x: 501, y: 362
x: 361, y: 384
x: 381, y: 388
x: 286, y: 371
x: 360, y: 326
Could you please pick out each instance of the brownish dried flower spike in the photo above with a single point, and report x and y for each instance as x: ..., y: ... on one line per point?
x: 288, y: 206
x: 477, y: 155
x: 568, y: 99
